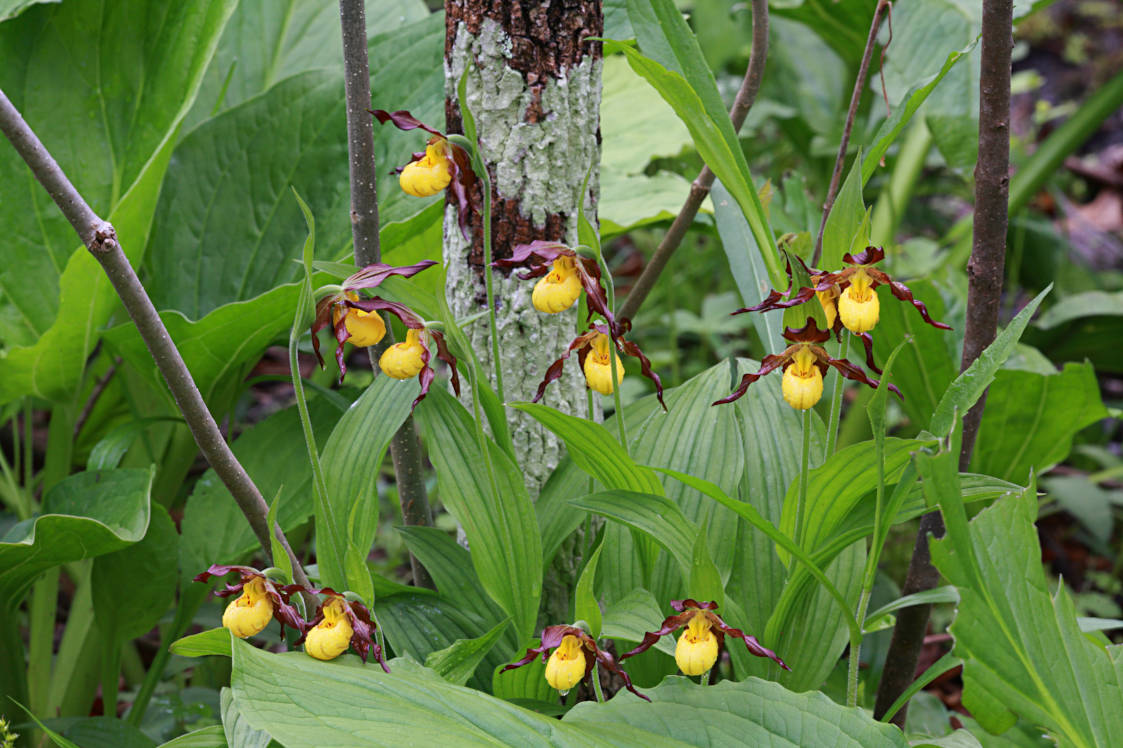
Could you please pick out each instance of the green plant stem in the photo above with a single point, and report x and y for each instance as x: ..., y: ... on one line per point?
x: 191, y: 598
x: 613, y: 359
x: 867, y: 579
x: 803, y: 476
x: 41, y: 638
x: 856, y: 651
x: 597, y: 689
x: 836, y: 400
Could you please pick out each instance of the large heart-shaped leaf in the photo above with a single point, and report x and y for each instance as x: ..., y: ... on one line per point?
x: 86, y: 515
x: 108, y: 106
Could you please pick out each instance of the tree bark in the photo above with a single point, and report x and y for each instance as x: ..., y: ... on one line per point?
x: 533, y: 87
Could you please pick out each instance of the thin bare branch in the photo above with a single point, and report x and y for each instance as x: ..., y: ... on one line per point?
x: 855, y: 98
x: 100, y: 238
x: 700, y: 187
x: 405, y: 449
x: 984, y: 291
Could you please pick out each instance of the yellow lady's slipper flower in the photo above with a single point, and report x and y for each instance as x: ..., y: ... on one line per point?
x: 575, y: 653
x: 430, y: 174
x: 260, y: 601
x: 363, y: 328
x: 442, y: 164
x: 566, y: 666
x: 803, y: 382
x: 696, y: 651
x: 354, y: 319
x: 330, y: 637
x: 852, y: 288
x: 598, y: 365
x: 404, y: 360
x: 559, y: 289
x: 250, y: 613
x: 859, y: 307
x: 697, y: 648
x: 804, y: 364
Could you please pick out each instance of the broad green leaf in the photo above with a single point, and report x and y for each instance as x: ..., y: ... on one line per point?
x: 844, y: 26
x: 841, y: 232
x: 498, y: 517
x: 902, y: 114
x: 654, y: 515
x: 130, y: 85
x: 273, y: 452
x: 105, y: 732
x: 352, y: 459
x: 704, y: 581
x: 556, y: 518
x: 634, y: 615
x: 585, y: 604
x: 675, y: 67
x: 210, y: 642
x: 1022, y: 646
x: 835, y: 489
x: 86, y: 515
x: 1075, y: 329
x: 926, y: 365
x: 595, y: 450
x: 206, y: 737
x: 945, y: 594
x: 1030, y: 420
x: 267, y: 41
x: 235, y: 729
x: 746, y: 265
x: 969, y: 386
x: 220, y: 349
x: 450, y: 565
x: 526, y: 683
x: 107, y: 453
x: 135, y: 586
x: 629, y: 196
x: 752, y: 712
x: 458, y: 661
x: 303, y: 703
x: 12, y: 8
x: 222, y: 233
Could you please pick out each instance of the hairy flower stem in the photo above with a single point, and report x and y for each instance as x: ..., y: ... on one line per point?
x: 405, y: 449
x: 984, y: 292
x: 700, y: 187
x: 489, y: 284
x: 856, y: 650
x: 101, y: 239
x: 836, y: 400
x: 616, y: 397
x: 803, y: 475
x: 855, y: 99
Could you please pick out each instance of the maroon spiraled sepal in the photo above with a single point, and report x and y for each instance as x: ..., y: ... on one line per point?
x: 583, y: 343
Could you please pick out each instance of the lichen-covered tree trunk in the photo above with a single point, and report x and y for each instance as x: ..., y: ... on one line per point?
x: 533, y: 86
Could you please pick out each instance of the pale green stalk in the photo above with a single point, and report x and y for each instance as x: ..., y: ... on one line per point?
x: 836, y: 400
x: 596, y: 683
x: 803, y: 471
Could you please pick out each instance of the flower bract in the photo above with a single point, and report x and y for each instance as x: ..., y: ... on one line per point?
x: 697, y: 648
x: 575, y: 653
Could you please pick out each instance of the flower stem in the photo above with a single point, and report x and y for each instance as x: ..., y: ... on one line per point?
x: 856, y: 650
x: 616, y: 397
x: 596, y: 684
x: 836, y: 401
x: 803, y: 470
x: 493, y: 327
